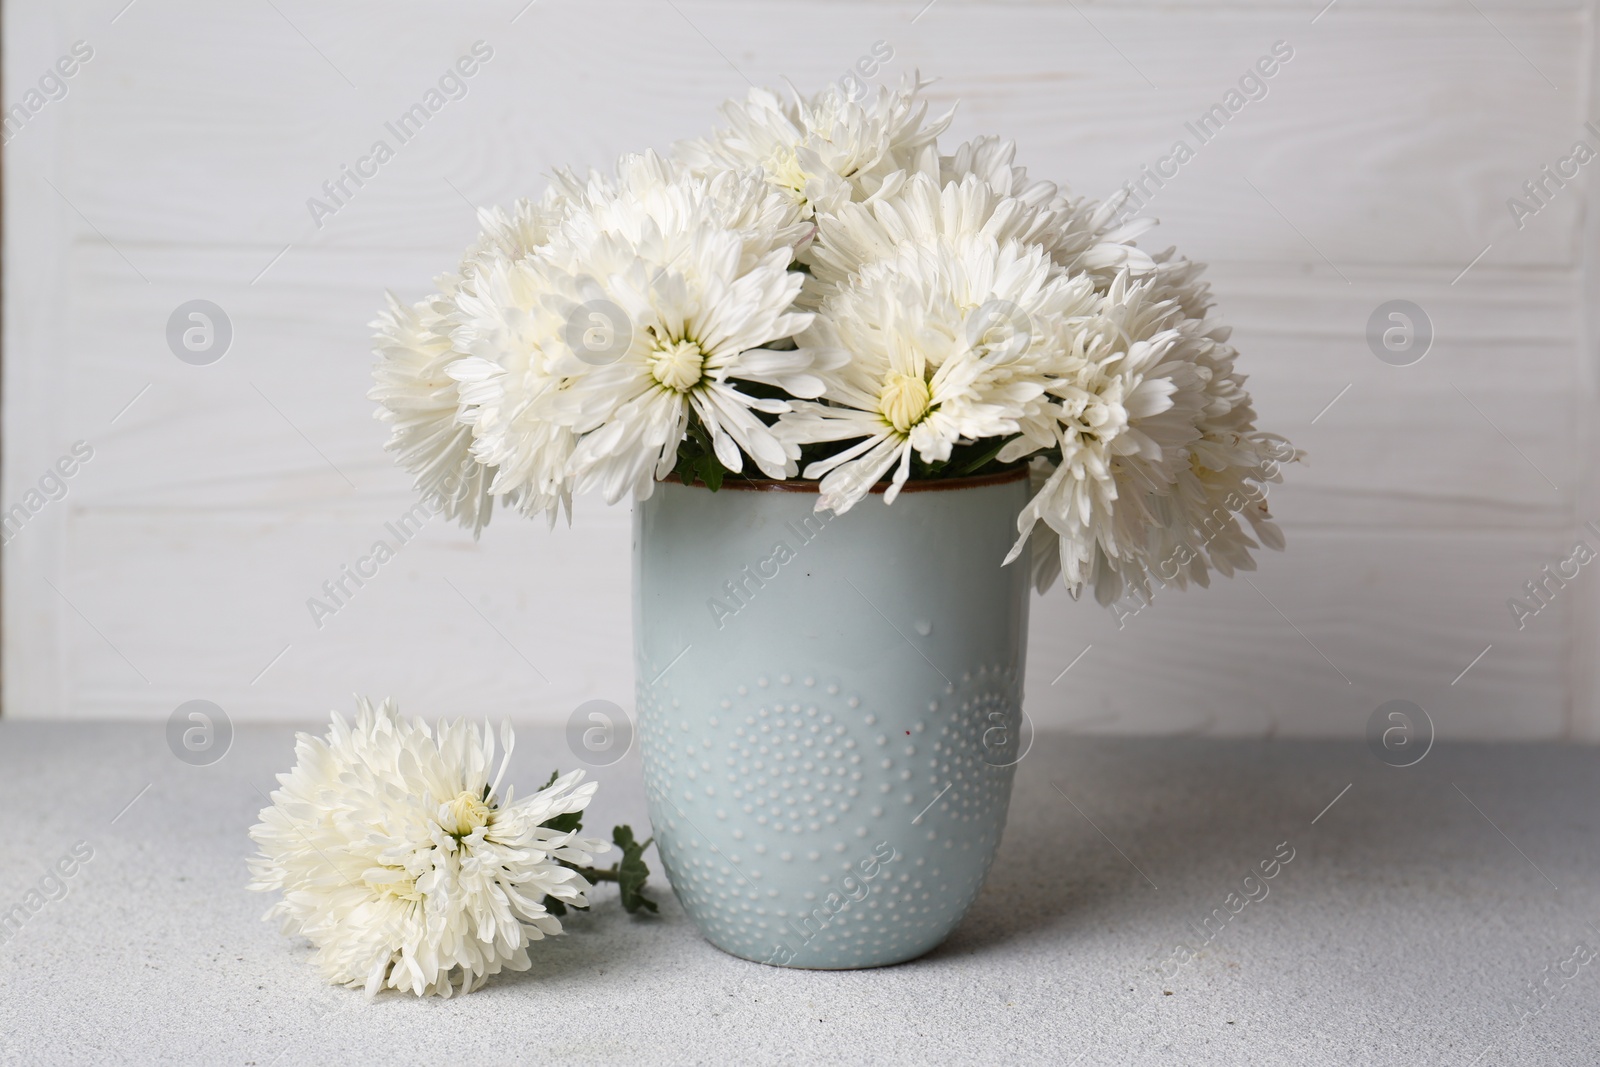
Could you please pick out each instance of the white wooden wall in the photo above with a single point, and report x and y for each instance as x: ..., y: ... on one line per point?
x: 1378, y: 167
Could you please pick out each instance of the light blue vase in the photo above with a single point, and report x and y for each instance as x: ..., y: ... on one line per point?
x: 829, y: 709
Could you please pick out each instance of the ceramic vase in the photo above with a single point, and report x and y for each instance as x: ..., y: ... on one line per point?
x: 829, y: 709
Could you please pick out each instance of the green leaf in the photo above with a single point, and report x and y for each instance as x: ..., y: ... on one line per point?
x: 632, y: 871
x: 697, y: 459
x: 987, y: 455
x: 569, y: 823
x: 971, y: 457
x: 554, y: 906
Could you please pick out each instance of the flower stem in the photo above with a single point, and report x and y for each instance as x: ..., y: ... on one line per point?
x: 602, y: 874
x: 594, y: 874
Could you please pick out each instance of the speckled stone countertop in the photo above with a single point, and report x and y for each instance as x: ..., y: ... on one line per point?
x: 1444, y: 913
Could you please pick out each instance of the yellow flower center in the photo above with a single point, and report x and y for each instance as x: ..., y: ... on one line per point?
x: 465, y: 814
x: 678, y: 365
x: 905, y: 401
x: 392, y: 882
x: 784, y: 169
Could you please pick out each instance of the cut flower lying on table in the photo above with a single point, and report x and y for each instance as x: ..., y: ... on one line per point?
x: 407, y: 868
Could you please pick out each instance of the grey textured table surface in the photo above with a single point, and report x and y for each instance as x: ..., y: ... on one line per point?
x: 1437, y: 914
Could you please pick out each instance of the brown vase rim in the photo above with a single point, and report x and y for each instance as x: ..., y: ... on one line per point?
x: 912, y: 485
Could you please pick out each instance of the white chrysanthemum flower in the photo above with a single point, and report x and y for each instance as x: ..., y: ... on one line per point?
x: 418, y: 398
x: 414, y: 384
x: 698, y: 327
x: 1232, y: 463
x: 917, y: 211
x: 941, y: 344
x: 821, y: 152
x: 657, y: 207
x: 1081, y: 235
x: 977, y: 190
x: 509, y: 336
x: 1197, y: 525
x: 1148, y: 433
x: 401, y: 862
x: 689, y: 279
x: 525, y: 231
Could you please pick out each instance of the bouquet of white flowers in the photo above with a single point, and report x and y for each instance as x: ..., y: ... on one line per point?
x: 817, y: 291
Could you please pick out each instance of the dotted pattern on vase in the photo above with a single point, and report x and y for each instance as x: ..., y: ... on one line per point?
x: 799, y: 826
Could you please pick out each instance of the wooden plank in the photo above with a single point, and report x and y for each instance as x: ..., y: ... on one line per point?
x: 1392, y: 137
x: 1364, y: 619
x: 1477, y: 434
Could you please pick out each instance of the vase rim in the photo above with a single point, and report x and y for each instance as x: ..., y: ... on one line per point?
x: 811, y: 485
